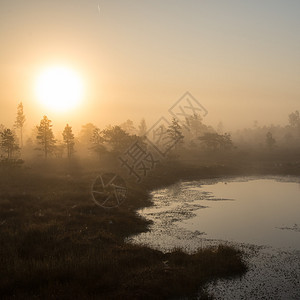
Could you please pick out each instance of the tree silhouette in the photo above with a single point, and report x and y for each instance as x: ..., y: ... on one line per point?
x: 195, y: 125
x: 20, y: 120
x: 8, y: 143
x: 86, y: 134
x: 210, y: 140
x: 174, y: 133
x: 97, y: 141
x: 68, y: 139
x: 45, y: 136
x: 128, y: 127
x: 117, y: 139
x: 294, y: 119
x: 214, y: 141
x: 142, y: 128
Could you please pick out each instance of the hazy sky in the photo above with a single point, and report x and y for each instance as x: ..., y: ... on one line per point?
x: 240, y: 59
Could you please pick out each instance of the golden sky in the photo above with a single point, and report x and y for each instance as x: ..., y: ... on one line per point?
x: 240, y: 59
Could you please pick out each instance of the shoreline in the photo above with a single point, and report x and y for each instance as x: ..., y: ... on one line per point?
x: 58, y: 243
x: 280, y: 264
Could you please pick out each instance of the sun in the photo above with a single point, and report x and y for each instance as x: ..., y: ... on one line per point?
x: 59, y: 88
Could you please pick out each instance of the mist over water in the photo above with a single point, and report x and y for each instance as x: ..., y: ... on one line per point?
x: 259, y: 214
x: 103, y: 103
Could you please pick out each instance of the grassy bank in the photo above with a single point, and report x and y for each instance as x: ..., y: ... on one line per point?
x: 56, y: 244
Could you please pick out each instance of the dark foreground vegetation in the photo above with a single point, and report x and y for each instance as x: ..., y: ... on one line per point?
x: 56, y: 244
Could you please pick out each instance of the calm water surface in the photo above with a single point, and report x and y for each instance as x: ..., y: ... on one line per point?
x: 261, y: 212
x: 247, y: 212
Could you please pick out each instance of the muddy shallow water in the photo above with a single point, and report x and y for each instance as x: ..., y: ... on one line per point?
x: 260, y: 215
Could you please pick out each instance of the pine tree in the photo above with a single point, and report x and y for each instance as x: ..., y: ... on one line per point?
x: 8, y: 142
x: 45, y: 136
x: 20, y: 120
x: 174, y: 132
x: 68, y: 139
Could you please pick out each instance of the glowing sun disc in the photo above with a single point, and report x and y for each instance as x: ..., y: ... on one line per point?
x: 59, y: 88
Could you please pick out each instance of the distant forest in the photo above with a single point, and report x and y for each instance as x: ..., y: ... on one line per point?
x: 194, y: 137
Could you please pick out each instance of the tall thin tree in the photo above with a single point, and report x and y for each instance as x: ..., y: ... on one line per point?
x: 20, y: 120
x: 68, y: 138
x: 45, y: 136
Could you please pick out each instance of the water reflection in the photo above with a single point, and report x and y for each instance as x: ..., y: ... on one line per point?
x: 265, y: 212
x: 260, y: 211
x: 246, y: 211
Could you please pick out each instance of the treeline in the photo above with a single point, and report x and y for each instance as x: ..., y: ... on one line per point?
x: 270, y: 137
x: 92, y: 141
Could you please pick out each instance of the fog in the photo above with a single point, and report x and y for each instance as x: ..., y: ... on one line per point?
x: 123, y: 121
x: 136, y: 59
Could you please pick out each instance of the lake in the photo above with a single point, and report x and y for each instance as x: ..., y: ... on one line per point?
x: 261, y: 215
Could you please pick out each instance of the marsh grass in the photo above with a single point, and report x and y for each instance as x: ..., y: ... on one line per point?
x: 56, y: 244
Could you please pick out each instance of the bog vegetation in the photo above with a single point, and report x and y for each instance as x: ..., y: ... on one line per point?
x: 56, y: 243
